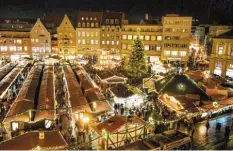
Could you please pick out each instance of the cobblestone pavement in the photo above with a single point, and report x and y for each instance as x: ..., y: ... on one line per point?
x: 214, y: 140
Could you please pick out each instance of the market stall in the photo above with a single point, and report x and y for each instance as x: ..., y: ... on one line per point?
x: 123, y: 95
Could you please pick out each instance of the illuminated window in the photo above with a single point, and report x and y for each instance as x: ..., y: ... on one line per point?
x: 79, y: 41
x: 111, y: 21
x: 103, y: 42
x: 130, y: 37
x: 174, y: 53
x: 96, y: 34
x: 124, y: 37
x: 123, y: 46
x: 153, y: 38
x: 147, y: 37
x: 15, y: 126
x: 96, y: 42
x: 82, y: 18
x: 48, y: 123
x: 220, y: 50
x: 92, y: 42
x: 231, y: 66
x: 79, y: 24
x: 135, y: 36
x: 92, y: 34
x: 106, y: 21
x: 83, y: 42
x: 19, y: 48
x: 92, y: 24
x: 167, y: 53
x: 142, y: 37
x: 19, y: 41
x: 32, y: 40
x: 107, y: 42
x: 83, y: 25
x: 79, y: 33
x: 159, y: 38
x: 96, y: 24
x: 146, y: 47
x: 117, y: 21
x: 88, y: 24
x: 112, y: 42
x: 83, y: 34
x: 182, y: 53
x: 129, y: 47
x: 86, y: 18
x: 37, y: 40
x: 117, y: 42
x: 158, y: 48
x: 87, y: 33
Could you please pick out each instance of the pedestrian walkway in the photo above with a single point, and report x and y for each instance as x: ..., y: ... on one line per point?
x: 214, y: 140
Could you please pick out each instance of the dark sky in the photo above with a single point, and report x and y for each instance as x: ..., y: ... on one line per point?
x: 220, y: 11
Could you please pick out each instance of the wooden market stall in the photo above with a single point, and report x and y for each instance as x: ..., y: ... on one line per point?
x: 36, y: 140
x: 120, y: 130
x: 21, y: 111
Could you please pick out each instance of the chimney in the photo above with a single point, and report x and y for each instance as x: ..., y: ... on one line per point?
x: 146, y: 16
x: 41, y: 135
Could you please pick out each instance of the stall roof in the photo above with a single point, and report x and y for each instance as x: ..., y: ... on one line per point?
x: 187, y: 104
x: 120, y: 90
x: 5, y: 69
x: 26, y: 96
x: 10, y: 78
x: 46, y: 96
x: 77, y: 100
x: 30, y: 140
x: 179, y: 84
x: 117, y: 122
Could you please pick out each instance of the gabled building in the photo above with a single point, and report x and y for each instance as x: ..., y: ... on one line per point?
x: 40, y: 40
x: 66, y: 36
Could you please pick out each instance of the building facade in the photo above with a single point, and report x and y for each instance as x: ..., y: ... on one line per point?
x: 15, y: 44
x: 40, y: 40
x: 176, y: 38
x: 88, y: 33
x: 151, y: 35
x: 66, y: 36
x: 221, y: 59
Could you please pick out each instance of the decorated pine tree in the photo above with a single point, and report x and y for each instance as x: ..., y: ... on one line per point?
x: 136, y: 65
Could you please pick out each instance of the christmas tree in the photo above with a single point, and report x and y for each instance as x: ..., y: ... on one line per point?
x: 136, y: 65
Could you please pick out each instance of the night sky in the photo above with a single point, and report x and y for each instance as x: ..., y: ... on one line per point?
x: 208, y: 11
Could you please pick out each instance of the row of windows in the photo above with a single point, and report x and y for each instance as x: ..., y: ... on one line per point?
x: 175, y: 45
x: 146, y: 47
x: 112, y: 21
x: 91, y: 18
x: 37, y: 40
x: 220, y: 51
x: 112, y: 28
x: 176, y: 30
x: 88, y: 24
x: 111, y: 36
x: 41, y: 49
x: 175, y: 53
x: 142, y: 29
x: 13, y: 48
x: 40, y: 31
x: 147, y: 37
x: 110, y: 42
x: 13, y: 41
x: 66, y: 42
x: 86, y: 41
x: 66, y: 35
x: 176, y: 38
x: 88, y: 34
x: 186, y: 22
